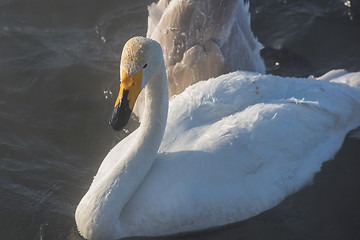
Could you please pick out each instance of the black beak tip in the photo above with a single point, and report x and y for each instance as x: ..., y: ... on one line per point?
x: 120, y: 117
x: 117, y: 125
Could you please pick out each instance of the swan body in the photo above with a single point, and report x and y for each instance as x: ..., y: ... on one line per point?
x: 230, y: 148
x: 201, y: 40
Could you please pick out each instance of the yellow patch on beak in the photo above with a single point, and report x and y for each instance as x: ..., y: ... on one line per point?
x: 131, y: 84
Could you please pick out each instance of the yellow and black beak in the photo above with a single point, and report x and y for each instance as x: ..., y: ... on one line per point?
x: 129, y: 91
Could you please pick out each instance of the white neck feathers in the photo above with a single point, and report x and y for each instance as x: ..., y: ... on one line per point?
x: 106, y: 198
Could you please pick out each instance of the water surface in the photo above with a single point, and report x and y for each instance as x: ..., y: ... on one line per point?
x: 59, y: 71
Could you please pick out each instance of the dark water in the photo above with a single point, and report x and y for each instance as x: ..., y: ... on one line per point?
x: 58, y: 69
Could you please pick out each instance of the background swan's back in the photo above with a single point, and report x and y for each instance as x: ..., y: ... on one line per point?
x: 203, y: 39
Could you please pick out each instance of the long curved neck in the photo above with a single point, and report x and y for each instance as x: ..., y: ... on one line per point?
x: 150, y: 133
x: 108, y: 196
x: 133, y: 170
x: 153, y: 123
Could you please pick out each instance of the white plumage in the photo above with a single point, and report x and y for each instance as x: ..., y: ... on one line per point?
x: 237, y: 145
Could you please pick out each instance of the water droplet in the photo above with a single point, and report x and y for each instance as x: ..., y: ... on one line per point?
x: 107, y: 94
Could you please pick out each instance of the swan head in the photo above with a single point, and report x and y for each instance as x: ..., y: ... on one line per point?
x: 141, y: 60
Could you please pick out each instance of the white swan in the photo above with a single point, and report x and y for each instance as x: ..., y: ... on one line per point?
x: 231, y: 147
x: 201, y: 40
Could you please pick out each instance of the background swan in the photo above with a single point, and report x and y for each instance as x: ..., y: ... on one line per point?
x: 233, y: 147
x: 201, y: 40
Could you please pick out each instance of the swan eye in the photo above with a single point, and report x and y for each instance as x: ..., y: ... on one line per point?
x: 145, y: 66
